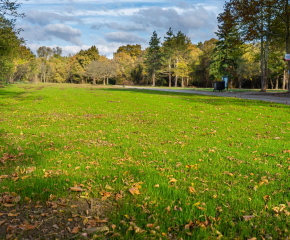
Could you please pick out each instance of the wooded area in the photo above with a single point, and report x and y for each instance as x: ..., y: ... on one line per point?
x: 252, y: 39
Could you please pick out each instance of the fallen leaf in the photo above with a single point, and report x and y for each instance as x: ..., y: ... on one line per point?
x: 17, y: 199
x: 191, y: 190
x: 2, y: 222
x: 109, y: 187
x: 97, y: 230
x: 25, y: 177
x: 76, y: 189
x: 150, y: 225
x: 13, y: 215
x: 173, y: 180
x: 8, y: 205
x: 26, y: 227
x: 248, y: 218
x: 134, y: 191
x: 75, y: 230
x: 156, y: 186
x: 267, y: 198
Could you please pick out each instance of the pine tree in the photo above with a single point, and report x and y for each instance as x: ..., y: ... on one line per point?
x: 152, y: 58
x: 167, y: 54
x: 228, y: 47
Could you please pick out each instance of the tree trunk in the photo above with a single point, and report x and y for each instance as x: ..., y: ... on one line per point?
x: 153, y: 78
x: 176, y: 77
x: 265, y: 86
x: 272, y: 85
x: 169, y: 74
x: 107, y: 81
x: 94, y: 81
x: 288, y: 85
x: 284, y: 80
x: 104, y: 82
x: 240, y: 83
x: 187, y: 81
x: 262, y: 63
x: 277, y: 83
x: 182, y: 83
x: 288, y: 42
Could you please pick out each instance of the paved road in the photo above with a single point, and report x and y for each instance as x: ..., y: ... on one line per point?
x: 283, y: 98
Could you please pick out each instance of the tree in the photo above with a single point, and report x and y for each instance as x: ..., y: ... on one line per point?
x: 44, y: 52
x: 95, y: 71
x: 247, y: 66
x: 24, y: 65
x: 9, y: 43
x: 205, y: 58
x: 8, y: 7
x: 133, y: 50
x: 153, y: 56
x: 180, y: 49
x: 228, y: 48
x: 255, y: 22
x: 125, y: 64
x: 167, y: 54
x: 82, y: 59
x: 181, y: 70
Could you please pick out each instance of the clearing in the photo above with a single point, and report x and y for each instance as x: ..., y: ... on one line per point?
x: 88, y: 162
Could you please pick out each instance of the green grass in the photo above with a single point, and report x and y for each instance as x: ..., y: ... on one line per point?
x: 232, y: 154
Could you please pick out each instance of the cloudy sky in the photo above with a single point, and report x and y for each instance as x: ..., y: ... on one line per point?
x: 78, y: 24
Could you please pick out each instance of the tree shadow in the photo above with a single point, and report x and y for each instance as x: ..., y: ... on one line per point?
x: 204, y: 99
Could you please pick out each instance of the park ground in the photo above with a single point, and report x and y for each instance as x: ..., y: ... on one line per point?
x: 87, y: 162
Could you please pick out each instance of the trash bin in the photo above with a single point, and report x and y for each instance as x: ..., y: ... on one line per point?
x: 218, y: 85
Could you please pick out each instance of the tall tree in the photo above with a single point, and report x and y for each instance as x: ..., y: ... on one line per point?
x: 153, y: 56
x: 167, y: 54
x: 228, y: 47
x: 255, y: 21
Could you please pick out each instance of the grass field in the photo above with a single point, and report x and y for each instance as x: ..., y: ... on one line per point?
x: 170, y: 165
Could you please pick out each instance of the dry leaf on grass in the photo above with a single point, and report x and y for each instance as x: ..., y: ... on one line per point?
x: 134, y: 191
x: 75, y: 230
x: 26, y: 227
x: 248, y: 218
x: 76, y: 189
x: 173, y: 180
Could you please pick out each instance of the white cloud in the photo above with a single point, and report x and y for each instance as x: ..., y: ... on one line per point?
x: 124, y: 37
x: 65, y: 32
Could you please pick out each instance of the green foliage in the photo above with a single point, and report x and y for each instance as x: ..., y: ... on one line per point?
x: 152, y: 57
x: 133, y: 50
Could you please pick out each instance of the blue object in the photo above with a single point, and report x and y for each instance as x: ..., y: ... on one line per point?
x: 226, y: 79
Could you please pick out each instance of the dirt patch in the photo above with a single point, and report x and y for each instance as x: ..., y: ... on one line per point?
x: 40, y: 88
x: 60, y: 218
x: 26, y: 87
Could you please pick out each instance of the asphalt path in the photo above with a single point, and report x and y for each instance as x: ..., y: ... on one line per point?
x: 283, y: 98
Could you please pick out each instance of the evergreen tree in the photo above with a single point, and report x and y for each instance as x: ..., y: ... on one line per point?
x: 167, y: 54
x: 153, y: 56
x: 228, y: 47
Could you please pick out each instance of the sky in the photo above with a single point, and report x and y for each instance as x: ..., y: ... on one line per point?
x: 78, y: 24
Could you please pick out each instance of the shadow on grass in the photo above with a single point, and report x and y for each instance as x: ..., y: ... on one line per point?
x: 204, y: 99
x: 26, y: 95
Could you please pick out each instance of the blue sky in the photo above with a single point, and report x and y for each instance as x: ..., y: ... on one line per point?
x: 78, y: 24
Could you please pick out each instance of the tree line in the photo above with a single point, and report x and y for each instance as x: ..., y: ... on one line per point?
x: 249, y: 47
